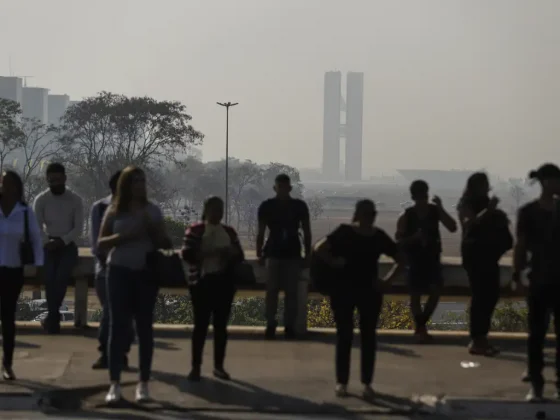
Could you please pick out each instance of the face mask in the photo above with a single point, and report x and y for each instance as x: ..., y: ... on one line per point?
x: 58, y: 189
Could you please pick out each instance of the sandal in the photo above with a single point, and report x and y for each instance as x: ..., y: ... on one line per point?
x: 488, y: 350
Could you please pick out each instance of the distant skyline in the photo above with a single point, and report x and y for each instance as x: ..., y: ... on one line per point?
x: 448, y: 83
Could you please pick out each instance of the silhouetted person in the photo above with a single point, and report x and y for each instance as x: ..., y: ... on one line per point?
x: 17, y: 225
x: 97, y: 212
x: 212, y: 250
x: 284, y: 216
x: 538, y: 235
x: 353, y: 250
x: 60, y: 213
x: 132, y: 228
x: 419, y: 236
x: 485, y: 239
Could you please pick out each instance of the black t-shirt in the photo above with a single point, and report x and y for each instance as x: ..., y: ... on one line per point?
x: 284, y: 219
x: 541, y: 230
x: 361, y: 253
x: 430, y: 246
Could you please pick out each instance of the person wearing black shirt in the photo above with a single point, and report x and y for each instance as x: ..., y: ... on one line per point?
x: 538, y: 234
x: 419, y: 236
x: 354, y: 250
x: 486, y: 238
x: 284, y: 216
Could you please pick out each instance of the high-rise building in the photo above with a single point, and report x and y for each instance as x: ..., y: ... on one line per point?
x: 11, y: 88
x: 351, y: 129
x: 353, y: 126
x: 331, y: 126
x: 57, y: 105
x: 35, y: 103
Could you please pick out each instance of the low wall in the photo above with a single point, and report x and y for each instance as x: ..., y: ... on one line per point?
x: 456, y: 284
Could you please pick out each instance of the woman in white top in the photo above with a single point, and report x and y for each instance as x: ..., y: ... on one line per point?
x: 20, y: 245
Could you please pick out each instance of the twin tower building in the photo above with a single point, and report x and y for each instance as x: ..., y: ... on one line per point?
x: 342, y: 119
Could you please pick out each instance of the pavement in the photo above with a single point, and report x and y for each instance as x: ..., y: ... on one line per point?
x: 273, y: 380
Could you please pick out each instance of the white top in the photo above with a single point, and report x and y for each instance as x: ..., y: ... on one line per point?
x: 60, y: 216
x: 12, y: 228
x: 215, y: 237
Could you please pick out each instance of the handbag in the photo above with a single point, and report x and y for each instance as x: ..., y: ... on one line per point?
x: 166, y: 264
x: 26, y: 252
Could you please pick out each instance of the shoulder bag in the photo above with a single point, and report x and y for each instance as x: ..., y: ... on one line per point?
x: 27, y: 255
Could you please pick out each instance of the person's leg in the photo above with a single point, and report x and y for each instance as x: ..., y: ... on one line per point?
x: 434, y: 289
x: 477, y: 307
x: 554, y: 297
x: 103, y: 333
x: 202, y: 309
x: 369, y: 308
x: 537, y: 315
x: 52, y: 323
x: 144, y: 304
x: 343, y: 310
x: 66, y: 264
x: 220, y: 317
x: 492, y: 295
x: 273, y: 279
x: 12, y: 283
x: 291, y: 276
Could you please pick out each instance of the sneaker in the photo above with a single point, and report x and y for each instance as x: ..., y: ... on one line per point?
x: 341, y: 390
x: 220, y: 373
x: 535, y: 394
x: 194, y: 376
x: 100, y: 363
x: 142, y: 393
x: 270, y: 333
x: 8, y: 374
x: 368, y: 393
x: 114, y: 395
x: 525, y: 377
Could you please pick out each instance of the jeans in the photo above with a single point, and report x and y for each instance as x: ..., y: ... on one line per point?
x: 59, y: 265
x: 283, y: 274
x: 542, y: 299
x: 131, y: 295
x: 103, y: 334
x: 484, y: 279
x: 343, y: 304
x: 211, y: 297
x: 11, y: 283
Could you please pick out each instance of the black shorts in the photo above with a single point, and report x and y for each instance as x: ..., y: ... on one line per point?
x: 424, y: 274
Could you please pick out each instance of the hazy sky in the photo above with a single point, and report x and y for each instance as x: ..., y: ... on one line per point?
x: 448, y: 83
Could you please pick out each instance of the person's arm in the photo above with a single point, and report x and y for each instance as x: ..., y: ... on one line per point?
x: 306, y: 228
x: 520, y: 248
x: 235, y: 251
x: 261, y: 217
x: 327, y: 249
x: 36, y: 238
x: 390, y: 249
x: 400, y: 234
x: 77, y: 223
x: 107, y: 239
x: 95, y: 225
x: 445, y: 218
x: 39, y: 210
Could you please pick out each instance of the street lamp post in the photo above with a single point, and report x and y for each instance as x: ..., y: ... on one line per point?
x: 227, y: 105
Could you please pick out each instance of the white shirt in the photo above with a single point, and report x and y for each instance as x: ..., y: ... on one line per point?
x: 12, y: 228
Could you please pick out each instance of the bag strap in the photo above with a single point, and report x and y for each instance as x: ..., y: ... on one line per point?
x: 26, y: 225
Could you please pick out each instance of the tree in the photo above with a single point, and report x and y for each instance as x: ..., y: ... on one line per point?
x: 107, y: 132
x: 316, y: 207
x: 10, y: 112
x: 517, y: 193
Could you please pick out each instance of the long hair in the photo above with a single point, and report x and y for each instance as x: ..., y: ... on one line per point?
x: 473, y: 182
x: 209, y: 202
x: 18, y: 183
x: 123, y: 195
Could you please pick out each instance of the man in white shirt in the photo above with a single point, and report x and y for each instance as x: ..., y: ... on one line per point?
x: 60, y: 216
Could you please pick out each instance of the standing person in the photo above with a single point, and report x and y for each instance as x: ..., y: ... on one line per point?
x: 418, y: 234
x: 284, y: 216
x: 212, y: 250
x: 485, y: 239
x: 18, y: 225
x: 538, y: 234
x: 132, y: 228
x: 355, y: 250
x: 60, y: 215
x: 97, y: 212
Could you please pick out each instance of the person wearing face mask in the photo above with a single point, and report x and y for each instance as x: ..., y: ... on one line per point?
x: 60, y: 215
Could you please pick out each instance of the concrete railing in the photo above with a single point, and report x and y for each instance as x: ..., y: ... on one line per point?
x: 456, y: 284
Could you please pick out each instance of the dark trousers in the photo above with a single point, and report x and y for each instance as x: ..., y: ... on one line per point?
x: 103, y: 334
x: 541, y: 301
x: 11, y: 282
x: 484, y: 279
x: 59, y: 265
x: 368, y: 303
x: 131, y: 295
x: 212, y: 297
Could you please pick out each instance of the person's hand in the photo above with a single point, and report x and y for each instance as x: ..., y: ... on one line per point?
x: 54, y: 244
x: 437, y: 201
x: 494, y: 201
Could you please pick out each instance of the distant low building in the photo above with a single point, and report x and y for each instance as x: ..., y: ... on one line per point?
x: 438, y: 179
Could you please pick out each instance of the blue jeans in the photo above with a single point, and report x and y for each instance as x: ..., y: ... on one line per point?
x: 59, y: 265
x: 130, y: 295
x: 103, y: 335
